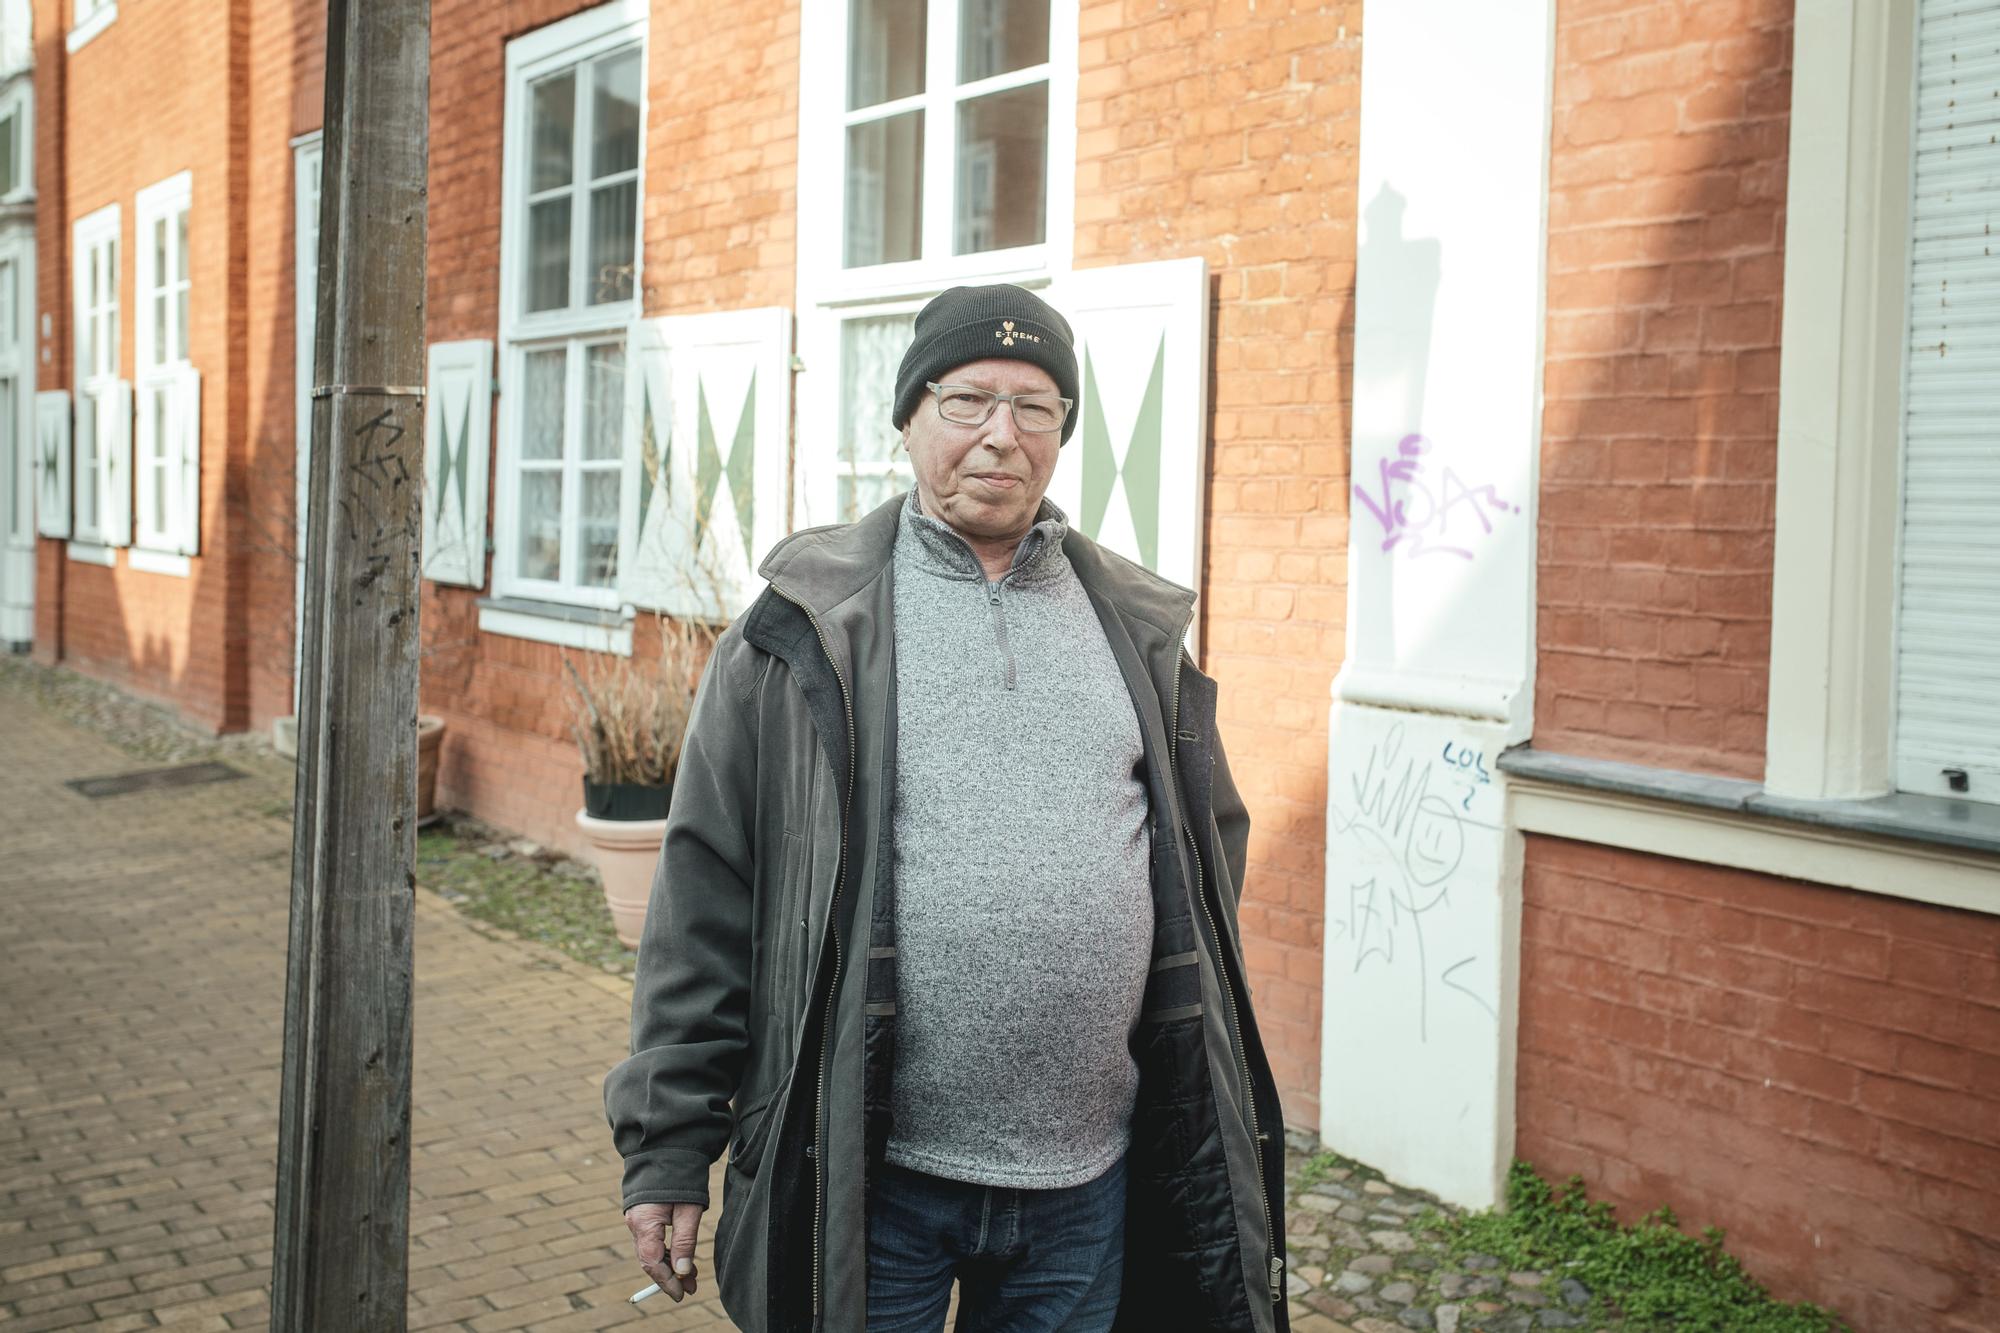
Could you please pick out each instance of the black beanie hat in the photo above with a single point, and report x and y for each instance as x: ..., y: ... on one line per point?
x: 973, y: 323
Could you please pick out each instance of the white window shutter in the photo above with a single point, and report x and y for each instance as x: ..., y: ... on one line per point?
x: 52, y: 462
x: 114, y: 462
x: 707, y: 458
x: 647, y: 493
x: 457, y: 436
x: 184, y: 461
x: 1948, y: 628
x: 1132, y: 475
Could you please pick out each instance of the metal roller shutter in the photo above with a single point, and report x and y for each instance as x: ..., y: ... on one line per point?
x: 1948, y: 629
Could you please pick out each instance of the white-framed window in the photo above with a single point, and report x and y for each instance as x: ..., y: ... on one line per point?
x: 164, y: 483
x: 17, y: 141
x: 87, y: 19
x: 95, y: 291
x: 1883, y: 610
x: 569, y: 283
x: 941, y: 149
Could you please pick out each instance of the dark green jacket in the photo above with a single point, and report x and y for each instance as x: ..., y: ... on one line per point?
x: 763, y: 1016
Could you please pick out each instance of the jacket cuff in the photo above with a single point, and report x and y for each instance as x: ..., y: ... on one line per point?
x: 666, y: 1175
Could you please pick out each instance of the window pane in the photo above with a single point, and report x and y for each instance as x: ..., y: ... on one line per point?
x: 614, y: 218
x: 9, y: 133
x: 995, y: 36
x: 157, y: 462
x: 870, y: 351
x: 1003, y: 149
x: 885, y: 51
x: 542, y: 404
x: 599, y: 528
x: 159, y: 304
x: 885, y: 190
x: 181, y: 246
x: 85, y: 478
x: 603, y: 399
x: 161, y: 278
x: 541, y: 525
x: 8, y: 313
x: 110, y: 362
x: 553, y: 110
x: 615, y: 114
x: 548, y: 254
x: 181, y: 325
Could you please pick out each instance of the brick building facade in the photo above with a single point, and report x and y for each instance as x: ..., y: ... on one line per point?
x: 1687, y: 947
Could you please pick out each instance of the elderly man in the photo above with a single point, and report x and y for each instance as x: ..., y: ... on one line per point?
x: 942, y: 947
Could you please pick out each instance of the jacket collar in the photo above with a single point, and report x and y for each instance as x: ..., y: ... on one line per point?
x: 820, y: 568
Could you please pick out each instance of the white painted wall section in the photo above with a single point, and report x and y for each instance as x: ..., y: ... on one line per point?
x: 1423, y: 877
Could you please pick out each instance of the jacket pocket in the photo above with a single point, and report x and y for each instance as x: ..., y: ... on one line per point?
x: 746, y: 1144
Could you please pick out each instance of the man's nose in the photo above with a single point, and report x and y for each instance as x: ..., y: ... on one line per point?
x: 1002, y: 432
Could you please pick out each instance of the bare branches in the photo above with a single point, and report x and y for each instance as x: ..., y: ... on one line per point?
x: 629, y: 715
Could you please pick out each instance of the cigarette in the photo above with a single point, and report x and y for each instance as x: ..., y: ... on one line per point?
x: 651, y: 1289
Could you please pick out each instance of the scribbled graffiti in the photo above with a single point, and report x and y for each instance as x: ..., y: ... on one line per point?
x: 1468, y: 768
x: 1415, y: 505
x: 1399, y: 840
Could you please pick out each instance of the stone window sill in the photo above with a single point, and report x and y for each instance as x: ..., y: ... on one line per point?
x: 592, y: 629
x: 1928, y: 848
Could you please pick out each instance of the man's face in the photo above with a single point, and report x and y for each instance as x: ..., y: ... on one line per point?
x: 986, y: 480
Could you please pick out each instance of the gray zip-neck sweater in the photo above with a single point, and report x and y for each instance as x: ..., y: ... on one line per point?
x: 1024, y: 910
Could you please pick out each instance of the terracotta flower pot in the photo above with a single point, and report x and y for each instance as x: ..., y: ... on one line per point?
x: 625, y: 852
x: 430, y: 733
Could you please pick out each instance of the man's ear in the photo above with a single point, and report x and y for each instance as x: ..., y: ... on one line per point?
x: 906, y: 437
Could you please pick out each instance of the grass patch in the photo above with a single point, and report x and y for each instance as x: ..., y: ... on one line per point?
x: 558, y: 905
x: 1650, y: 1274
x: 1327, y: 1165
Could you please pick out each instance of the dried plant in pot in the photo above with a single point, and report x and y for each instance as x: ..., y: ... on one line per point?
x: 629, y: 716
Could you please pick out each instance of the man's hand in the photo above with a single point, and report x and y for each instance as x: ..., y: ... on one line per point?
x: 663, y: 1237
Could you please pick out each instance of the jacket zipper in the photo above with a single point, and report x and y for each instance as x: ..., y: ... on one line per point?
x: 833, y: 910
x: 1275, y: 1276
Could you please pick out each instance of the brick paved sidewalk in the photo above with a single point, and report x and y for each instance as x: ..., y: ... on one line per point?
x: 142, y: 972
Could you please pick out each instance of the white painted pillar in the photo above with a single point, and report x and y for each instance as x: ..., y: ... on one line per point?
x: 1423, y: 879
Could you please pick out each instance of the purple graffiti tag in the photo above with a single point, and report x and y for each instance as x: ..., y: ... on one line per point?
x: 1417, y: 518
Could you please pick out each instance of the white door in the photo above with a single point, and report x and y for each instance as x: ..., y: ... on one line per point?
x: 305, y: 163
x: 17, y: 433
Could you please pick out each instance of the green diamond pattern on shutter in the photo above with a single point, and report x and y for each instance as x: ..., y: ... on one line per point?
x: 739, y: 470
x: 1137, y: 465
x: 451, y: 445
x: 1134, y: 474
x: 696, y: 519
x: 458, y: 426
x: 52, y: 459
x: 656, y: 444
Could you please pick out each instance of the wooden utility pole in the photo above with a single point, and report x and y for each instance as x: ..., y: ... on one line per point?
x: 341, y: 1246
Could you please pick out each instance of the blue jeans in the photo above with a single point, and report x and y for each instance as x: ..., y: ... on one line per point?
x: 1027, y: 1261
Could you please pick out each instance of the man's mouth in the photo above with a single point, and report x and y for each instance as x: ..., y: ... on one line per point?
x: 1000, y: 479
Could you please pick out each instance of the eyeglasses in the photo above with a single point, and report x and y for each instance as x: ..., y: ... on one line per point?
x: 963, y: 405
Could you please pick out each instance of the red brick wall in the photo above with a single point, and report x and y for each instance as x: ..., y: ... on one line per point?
x: 1813, y: 1069
x: 52, y: 266
x: 718, y: 229
x: 150, y: 96
x: 1230, y: 132
x: 1666, y: 230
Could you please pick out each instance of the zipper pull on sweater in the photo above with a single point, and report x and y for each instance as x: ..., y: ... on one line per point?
x: 1000, y: 636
